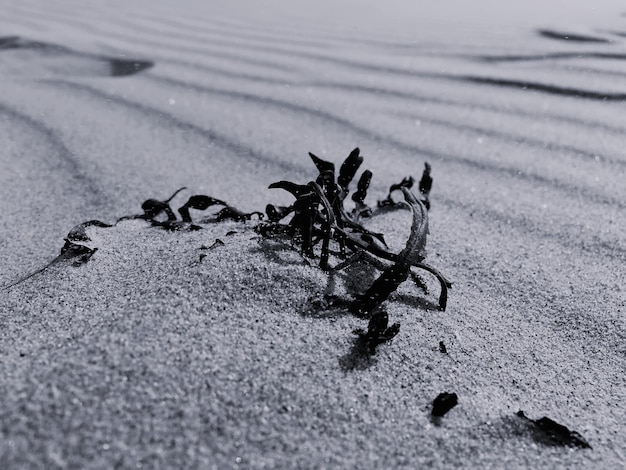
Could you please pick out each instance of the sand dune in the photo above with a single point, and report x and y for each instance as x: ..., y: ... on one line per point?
x: 148, y: 356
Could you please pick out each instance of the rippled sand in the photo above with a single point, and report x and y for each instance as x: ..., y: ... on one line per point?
x: 150, y: 356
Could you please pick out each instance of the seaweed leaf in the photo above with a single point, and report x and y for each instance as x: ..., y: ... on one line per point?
x: 362, y: 186
x: 198, y: 202
x: 349, y: 168
x: 152, y: 208
x: 425, y: 185
x: 298, y: 190
x: 426, y: 182
x: 275, y: 214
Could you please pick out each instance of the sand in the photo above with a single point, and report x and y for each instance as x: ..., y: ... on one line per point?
x: 161, y: 353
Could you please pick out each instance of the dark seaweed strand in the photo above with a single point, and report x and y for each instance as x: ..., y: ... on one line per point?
x: 391, y: 278
x: 348, y: 169
x: 361, y: 193
x: 198, y: 202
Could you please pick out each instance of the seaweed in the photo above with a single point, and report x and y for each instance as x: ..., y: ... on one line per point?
x: 319, y: 226
x: 153, y: 208
x: 199, y: 202
x: 378, y: 331
x: 548, y: 432
x: 443, y: 403
x: 396, y: 274
x: 79, y: 232
x: 319, y: 217
x: 215, y: 244
x: 362, y: 210
x: 202, y: 202
x: 407, y: 182
x: 76, y: 253
x: 231, y: 213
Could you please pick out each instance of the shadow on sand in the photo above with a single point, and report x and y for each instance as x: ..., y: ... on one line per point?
x: 24, y: 57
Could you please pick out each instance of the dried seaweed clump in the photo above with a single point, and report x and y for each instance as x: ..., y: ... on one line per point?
x: 318, y: 217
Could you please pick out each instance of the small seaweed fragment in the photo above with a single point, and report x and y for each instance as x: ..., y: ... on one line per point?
x: 425, y: 185
x: 202, y: 202
x: 78, y: 254
x: 277, y: 213
x: 297, y: 190
x: 549, y: 432
x: 152, y: 208
x: 407, y: 182
x: 79, y: 232
x: 231, y: 213
x: 348, y: 169
x: 443, y: 403
x: 377, y: 331
x: 215, y: 244
x: 198, y: 202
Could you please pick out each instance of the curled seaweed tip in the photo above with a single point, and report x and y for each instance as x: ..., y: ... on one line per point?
x: 407, y: 182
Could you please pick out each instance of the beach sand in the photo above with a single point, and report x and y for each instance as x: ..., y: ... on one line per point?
x: 167, y: 351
